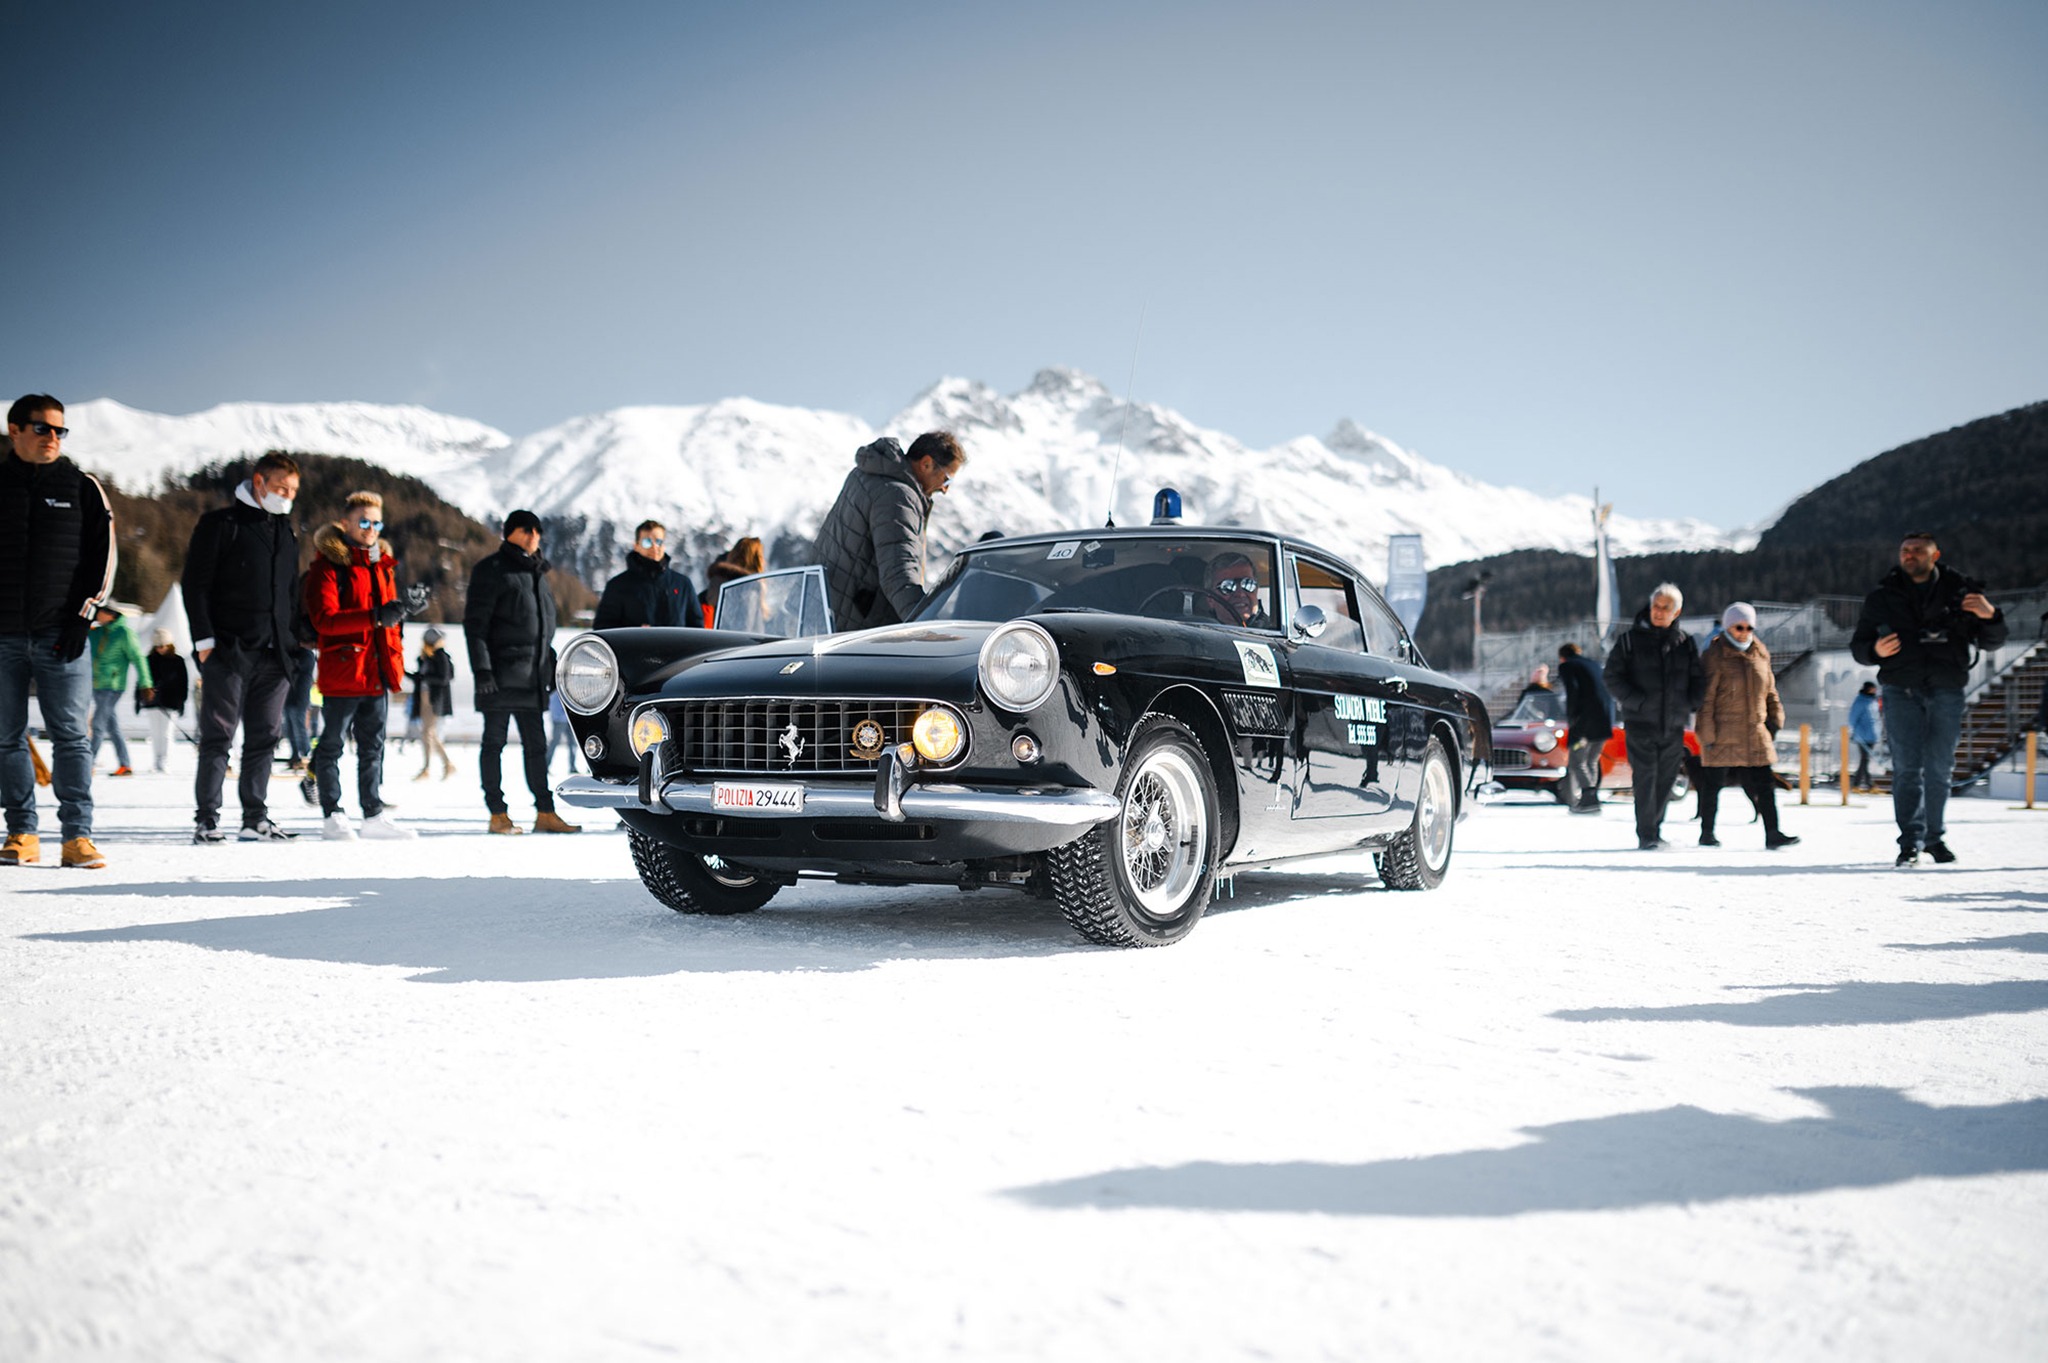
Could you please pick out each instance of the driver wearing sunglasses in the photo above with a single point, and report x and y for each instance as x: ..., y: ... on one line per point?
x: 1233, y: 578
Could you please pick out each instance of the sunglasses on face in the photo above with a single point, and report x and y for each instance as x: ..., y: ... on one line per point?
x: 1230, y: 585
x: 651, y: 542
x: 1738, y: 629
x: 369, y: 525
x: 45, y: 428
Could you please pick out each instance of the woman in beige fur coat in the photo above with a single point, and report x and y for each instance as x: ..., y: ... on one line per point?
x: 1737, y: 724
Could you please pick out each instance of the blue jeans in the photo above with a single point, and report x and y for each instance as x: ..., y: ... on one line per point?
x: 366, y: 716
x: 1923, y: 724
x: 65, y: 693
x: 106, y: 723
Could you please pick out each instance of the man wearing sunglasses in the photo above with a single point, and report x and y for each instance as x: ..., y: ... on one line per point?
x: 56, y: 566
x: 351, y: 596
x: 1233, y: 578
x: 650, y: 591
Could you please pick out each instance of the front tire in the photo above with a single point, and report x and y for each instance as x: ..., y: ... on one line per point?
x: 1143, y: 878
x: 1420, y: 857
x: 689, y: 883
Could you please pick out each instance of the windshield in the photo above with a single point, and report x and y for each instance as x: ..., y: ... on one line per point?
x: 1535, y: 706
x: 1206, y: 581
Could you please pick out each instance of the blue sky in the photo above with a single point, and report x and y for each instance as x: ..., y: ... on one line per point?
x: 1703, y: 256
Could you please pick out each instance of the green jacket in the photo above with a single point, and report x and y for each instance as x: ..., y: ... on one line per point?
x: 113, y: 653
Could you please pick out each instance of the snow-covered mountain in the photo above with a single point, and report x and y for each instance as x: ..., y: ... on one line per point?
x: 1039, y: 459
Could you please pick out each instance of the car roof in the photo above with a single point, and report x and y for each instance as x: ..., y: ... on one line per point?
x: 1161, y: 532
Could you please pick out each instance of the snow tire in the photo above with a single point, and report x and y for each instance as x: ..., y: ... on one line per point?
x: 686, y: 884
x: 1144, y: 878
x: 1420, y: 857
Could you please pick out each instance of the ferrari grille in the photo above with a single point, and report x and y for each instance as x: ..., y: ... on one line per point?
x: 1504, y: 758
x: 792, y: 737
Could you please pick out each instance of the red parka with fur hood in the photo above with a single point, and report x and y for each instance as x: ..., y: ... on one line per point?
x: 343, y: 588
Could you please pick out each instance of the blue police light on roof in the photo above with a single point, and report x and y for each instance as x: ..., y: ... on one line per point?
x: 1166, y: 507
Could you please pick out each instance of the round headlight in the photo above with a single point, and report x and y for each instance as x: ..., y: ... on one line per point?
x: 649, y: 729
x: 588, y: 676
x: 936, y: 735
x: 1019, y: 666
x: 1543, y: 740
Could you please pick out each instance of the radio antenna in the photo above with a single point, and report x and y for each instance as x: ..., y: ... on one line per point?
x: 1130, y: 386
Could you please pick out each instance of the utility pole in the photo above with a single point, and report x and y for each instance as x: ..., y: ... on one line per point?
x: 1475, y: 592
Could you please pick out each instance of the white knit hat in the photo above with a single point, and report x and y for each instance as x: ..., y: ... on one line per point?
x: 1741, y: 613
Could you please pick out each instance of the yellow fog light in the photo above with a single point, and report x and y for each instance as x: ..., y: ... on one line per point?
x: 936, y: 735
x: 649, y: 729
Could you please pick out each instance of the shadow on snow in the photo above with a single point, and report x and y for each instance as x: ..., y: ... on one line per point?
x: 1678, y: 1155
x: 2036, y: 942
x: 1850, y: 1003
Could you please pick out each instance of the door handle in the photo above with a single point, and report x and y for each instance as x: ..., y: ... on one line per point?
x: 1398, y: 685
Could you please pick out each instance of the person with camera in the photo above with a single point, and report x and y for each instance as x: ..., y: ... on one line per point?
x: 1917, y: 629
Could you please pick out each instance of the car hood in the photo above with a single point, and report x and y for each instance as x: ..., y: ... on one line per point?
x: 935, y: 660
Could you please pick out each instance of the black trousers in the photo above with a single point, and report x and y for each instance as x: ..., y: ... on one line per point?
x: 533, y: 747
x: 1754, y: 782
x: 241, y: 687
x: 365, y: 716
x: 1654, y: 760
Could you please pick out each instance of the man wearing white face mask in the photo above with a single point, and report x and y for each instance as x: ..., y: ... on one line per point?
x: 241, y: 585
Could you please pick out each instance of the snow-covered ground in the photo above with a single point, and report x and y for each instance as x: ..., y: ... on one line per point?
x: 484, y: 1099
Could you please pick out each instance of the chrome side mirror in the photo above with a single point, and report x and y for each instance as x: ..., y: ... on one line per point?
x: 1310, y: 622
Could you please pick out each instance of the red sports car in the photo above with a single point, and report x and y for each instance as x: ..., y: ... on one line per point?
x: 1529, y: 749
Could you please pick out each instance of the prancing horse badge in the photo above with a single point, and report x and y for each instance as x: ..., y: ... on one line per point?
x: 791, y: 667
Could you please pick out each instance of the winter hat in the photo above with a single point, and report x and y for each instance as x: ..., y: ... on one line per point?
x: 522, y: 520
x: 1741, y: 613
x: 432, y: 636
x: 161, y: 639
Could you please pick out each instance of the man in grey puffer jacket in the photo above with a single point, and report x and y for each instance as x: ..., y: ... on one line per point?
x: 871, y: 542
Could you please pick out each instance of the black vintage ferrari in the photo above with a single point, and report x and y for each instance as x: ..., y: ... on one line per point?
x: 1109, y: 719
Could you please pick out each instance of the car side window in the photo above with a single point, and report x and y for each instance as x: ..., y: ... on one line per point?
x: 1382, y: 629
x: 1331, y: 592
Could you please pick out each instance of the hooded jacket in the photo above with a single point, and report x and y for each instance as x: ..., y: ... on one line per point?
x: 648, y: 592
x: 871, y: 543
x: 508, y: 623
x: 241, y: 579
x: 1740, y: 710
x: 343, y: 588
x: 56, y: 544
x: 1935, y: 632
x: 114, y: 653
x: 1654, y: 676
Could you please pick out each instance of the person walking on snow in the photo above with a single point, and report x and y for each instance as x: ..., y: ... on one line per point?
x: 432, y: 683
x: 169, y: 685
x: 352, y: 602
x: 1740, y: 715
x: 1917, y: 629
x: 871, y: 542
x: 241, y: 586
x: 651, y: 591
x: 1863, y: 712
x: 114, y: 655
x: 56, y: 566
x: 508, y: 621
x: 1654, y: 676
x: 1589, y: 717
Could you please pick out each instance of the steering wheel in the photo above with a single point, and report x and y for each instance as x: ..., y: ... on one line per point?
x: 1230, y: 615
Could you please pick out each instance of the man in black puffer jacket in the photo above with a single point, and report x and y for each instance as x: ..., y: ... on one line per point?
x: 241, y: 586
x: 1917, y: 630
x: 56, y: 566
x: 508, y: 621
x: 1655, y: 677
x: 650, y: 591
x: 871, y: 542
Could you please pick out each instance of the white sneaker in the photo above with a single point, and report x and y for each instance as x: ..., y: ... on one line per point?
x: 335, y: 828
x: 382, y: 825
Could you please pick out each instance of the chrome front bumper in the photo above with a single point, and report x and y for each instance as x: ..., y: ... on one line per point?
x: 1066, y: 807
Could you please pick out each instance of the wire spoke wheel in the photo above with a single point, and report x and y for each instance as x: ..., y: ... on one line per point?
x: 1164, y: 841
x: 1420, y: 857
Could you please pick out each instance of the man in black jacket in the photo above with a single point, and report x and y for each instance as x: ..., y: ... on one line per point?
x: 650, y: 591
x: 56, y: 566
x: 1590, y: 717
x: 1655, y: 677
x: 508, y: 621
x: 241, y: 585
x: 1917, y: 630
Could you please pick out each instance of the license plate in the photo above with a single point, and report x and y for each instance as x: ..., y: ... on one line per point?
x: 757, y: 797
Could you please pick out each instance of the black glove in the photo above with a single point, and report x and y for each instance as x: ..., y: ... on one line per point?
x: 1770, y: 729
x: 486, y: 684
x: 71, y: 640
x: 390, y: 613
x: 417, y: 597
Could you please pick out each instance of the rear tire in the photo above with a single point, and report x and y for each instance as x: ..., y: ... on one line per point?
x: 1420, y: 857
x: 689, y: 883
x: 1143, y: 878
